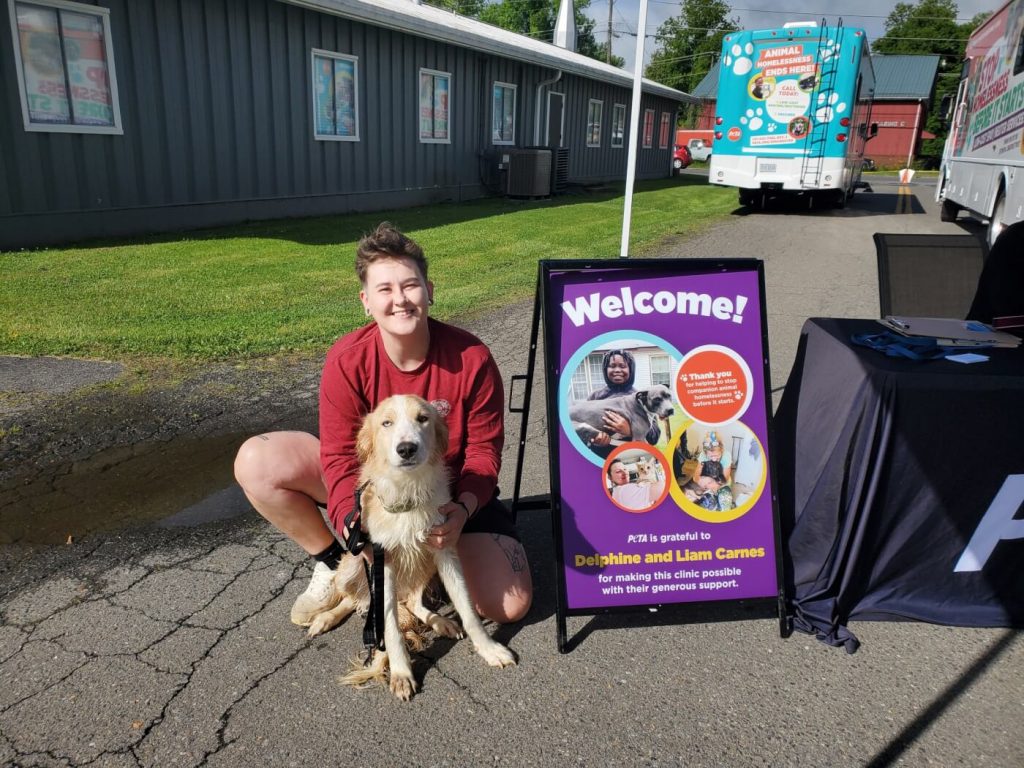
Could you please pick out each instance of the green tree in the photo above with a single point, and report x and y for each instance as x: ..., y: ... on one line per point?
x: 688, y: 43
x: 536, y: 19
x: 930, y: 27
x: 469, y: 8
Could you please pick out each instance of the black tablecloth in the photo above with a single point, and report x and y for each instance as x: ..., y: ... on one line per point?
x: 886, y: 467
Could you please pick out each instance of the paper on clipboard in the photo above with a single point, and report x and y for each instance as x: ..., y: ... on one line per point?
x: 950, y: 331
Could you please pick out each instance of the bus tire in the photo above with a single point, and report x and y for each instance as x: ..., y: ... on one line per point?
x: 948, y: 211
x: 746, y: 197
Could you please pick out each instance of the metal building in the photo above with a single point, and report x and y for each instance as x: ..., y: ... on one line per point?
x: 133, y: 116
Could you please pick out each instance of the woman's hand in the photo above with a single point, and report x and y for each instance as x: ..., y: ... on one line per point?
x: 447, y: 533
x: 618, y: 424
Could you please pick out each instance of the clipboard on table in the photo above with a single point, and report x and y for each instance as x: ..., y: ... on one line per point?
x: 950, y: 331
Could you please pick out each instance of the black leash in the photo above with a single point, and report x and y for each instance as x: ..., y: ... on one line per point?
x: 373, y: 629
x: 355, y: 541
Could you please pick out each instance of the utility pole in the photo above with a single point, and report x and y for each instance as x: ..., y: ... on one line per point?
x: 608, y: 56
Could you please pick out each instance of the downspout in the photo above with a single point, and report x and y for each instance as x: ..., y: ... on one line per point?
x: 536, y: 121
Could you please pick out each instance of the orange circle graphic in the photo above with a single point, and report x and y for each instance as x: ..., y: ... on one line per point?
x: 712, y: 387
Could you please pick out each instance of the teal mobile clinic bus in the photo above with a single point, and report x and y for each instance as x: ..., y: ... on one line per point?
x: 793, y: 112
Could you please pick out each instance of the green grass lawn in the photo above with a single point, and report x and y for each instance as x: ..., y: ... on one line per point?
x: 289, y: 285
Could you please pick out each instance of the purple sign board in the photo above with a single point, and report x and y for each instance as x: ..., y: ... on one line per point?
x: 658, y: 401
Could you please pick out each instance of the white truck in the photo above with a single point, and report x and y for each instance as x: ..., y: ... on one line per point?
x: 982, y: 170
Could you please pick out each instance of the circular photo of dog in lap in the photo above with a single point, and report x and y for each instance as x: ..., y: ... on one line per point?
x: 619, y: 394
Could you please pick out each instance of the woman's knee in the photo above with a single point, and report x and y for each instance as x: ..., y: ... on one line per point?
x: 253, y: 465
x: 509, y: 606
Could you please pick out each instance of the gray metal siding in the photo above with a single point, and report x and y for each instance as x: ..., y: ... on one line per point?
x: 216, y: 106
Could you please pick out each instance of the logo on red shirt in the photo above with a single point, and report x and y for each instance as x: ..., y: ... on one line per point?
x: 443, y: 407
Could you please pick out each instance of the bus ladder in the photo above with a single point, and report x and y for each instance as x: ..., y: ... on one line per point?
x: 814, y: 159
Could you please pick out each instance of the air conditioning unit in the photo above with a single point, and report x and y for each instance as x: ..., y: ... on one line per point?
x: 529, y: 173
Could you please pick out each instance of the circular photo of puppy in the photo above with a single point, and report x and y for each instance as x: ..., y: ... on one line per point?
x: 616, y: 390
x: 636, y: 478
x: 799, y: 126
x: 718, y: 472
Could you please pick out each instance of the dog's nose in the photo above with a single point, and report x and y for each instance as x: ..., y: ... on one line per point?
x: 407, y: 450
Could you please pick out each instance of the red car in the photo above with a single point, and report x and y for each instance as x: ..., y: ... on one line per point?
x: 681, y: 158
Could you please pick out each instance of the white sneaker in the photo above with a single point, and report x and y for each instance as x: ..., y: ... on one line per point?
x: 321, y: 595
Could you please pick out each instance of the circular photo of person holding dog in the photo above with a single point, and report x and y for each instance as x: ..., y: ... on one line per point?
x: 718, y: 472
x: 616, y: 391
x: 635, y: 478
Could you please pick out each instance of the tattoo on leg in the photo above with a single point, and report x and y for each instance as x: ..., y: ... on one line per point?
x: 513, y: 551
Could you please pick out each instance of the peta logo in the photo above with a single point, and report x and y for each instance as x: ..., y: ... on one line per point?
x: 996, y: 525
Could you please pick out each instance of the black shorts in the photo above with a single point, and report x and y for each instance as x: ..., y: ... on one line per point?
x: 492, y: 517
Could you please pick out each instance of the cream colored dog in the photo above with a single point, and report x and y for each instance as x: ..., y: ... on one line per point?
x: 401, y: 446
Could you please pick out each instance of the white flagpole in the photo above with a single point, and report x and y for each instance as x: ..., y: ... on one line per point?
x: 634, y: 123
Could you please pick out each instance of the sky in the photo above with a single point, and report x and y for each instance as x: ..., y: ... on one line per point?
x: 754, y: 14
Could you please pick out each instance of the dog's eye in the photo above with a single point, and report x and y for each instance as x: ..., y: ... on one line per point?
x: 423, y: 418
x: 386, y: 423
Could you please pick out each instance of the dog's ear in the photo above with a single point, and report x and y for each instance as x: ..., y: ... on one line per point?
x: 364, y: 440
x: 641, y: 397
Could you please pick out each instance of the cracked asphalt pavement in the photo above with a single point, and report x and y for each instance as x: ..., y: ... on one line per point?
x: 144, y: 606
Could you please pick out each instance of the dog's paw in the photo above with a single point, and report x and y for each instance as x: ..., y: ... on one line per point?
x: 321, y: 623
x: 496, y: 655
x: 402, y: 686
x: 446, y: 627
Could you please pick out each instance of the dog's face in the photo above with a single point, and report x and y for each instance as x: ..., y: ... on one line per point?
x: 403, y: 432
x: 657, y: 400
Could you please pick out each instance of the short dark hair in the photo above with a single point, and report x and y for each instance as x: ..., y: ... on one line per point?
x: 387, y: 242
x: 612, y: 463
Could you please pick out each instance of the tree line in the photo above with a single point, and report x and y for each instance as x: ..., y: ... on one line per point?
x: 687, y: 45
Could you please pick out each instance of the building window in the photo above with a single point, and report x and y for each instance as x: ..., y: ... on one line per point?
x: 618, y: 125
x: 503, y: 113
x: 65, y: 64
x: 661, y: 370
x: 335, y: 96
x: 594, y: 112
x: 435, y: 106
x: 588, y: 378
x: 663, y: 130
x: 648, y: 128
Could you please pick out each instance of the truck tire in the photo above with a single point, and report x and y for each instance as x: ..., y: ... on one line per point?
x: 746, y: 197
x: 948, y: 211
x: 995, y: 224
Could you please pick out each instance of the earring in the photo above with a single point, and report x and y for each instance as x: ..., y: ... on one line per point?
x: 367, y: 311
x: 431, y: 302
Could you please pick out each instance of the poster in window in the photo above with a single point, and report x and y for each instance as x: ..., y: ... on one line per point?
x: 324, y: 115
x: 42, y: 65
x: 426, y: 106
x: 87, y: 69
x: 345, y: 97
x: 496, y: 112
x: 440, y: 107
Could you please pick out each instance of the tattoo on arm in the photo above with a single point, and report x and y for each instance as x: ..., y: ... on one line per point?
x: 265, y: 438
x: 513, y: 551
